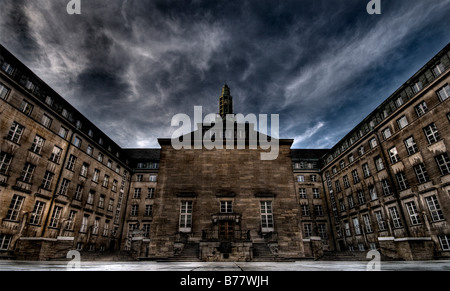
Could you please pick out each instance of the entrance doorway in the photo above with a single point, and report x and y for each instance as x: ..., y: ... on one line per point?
x: 226, y: 230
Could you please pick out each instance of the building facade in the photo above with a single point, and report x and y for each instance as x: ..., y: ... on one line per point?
x: 66, y: 185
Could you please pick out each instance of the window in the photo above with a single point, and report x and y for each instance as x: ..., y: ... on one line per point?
x: 38, y: 144
x: 64, y: 186
x: 146, y: 230
x: 109, y: 163
x: 421, y: 173
x: 84, y: 223
x: 105, y: 181
x: 386, y: 133
x: 356, y: 225
x: 393, y: 155
x: 47, y: 181
x: 305, y: 210
x: 342, y: 204
x: 413, y: 213
x: 78, y: 192
x: 411, y: 145
x: 346, y: 182
x: 307, y: 230
x: 63, y: 132
x: 355, y: 176
x: 46, y: 121
x: 322, y: 231
x: 71, y: 162
x: 302, y: 192
x: 395, y: 217
x: 15, y: 132
x: 386, y: 187
x: 84, y: 170
x: 445, y: 242
x: 372, y: 143
x: 367, y: 223
x: 431, y: 133
x: 380, y: 220
x: 56, y: 154
x: 90, y: 199
x: 443, y: 162
x: 14, y: 207
x: 421, y: 108
x: 36, y: 215
x: 5, y: 161
x: 361, y: 150
x: 435, y: 208
x: 26, y: 107
x: 402, y: 181
x: 139, y: 178
x: 347, y: 228
x: 27, y: 172
x: 186, y: 216
x: 152, y: 178
x: 56, y: 215
x: 316, y: 193
x: 379, y: 163
x: 444, y: 92
x: 366, y: 170
x: 110, y: 204
x: 137, y: 193
x: 89, y: 150
x: 361, y: 197
x: 3, y: 92
x: 402, y: 122
x: 399, y: 102
x: 5, y: 241
x: 266, y: 216
x: 151, y: 193
x: 71, y: 220
x: 300, y: 178
x: 114, y: 186
x: 417, y: 87
x: 106, y: 228
x: 313, y: 178
x: 373, y: 192
x: 96, y: 175
x: 438, y: 69
x: 338, y: 186
x: 351, y: 158
x: 77, y: 141
x: 318, y: 210
x: 148, y: 210
x: 226, y: 207
x: 342, y: 164
x: 96, y: 225
x: 351, y: 202
x: 100, y: 157
x: 101, y: 201
x: 334, y: 169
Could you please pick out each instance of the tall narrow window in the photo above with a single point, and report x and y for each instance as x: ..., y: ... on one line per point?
x: 84, y: 223
x: 3, y: 92
x: 56, y: 215
x: 71, y: 162
x: 386, y: 187
x: 64, y: 187
x: 443, y: 162
x: 373, y: 192
x: 435, y: 208
x: 27, y: 172
x: 444, y: 92
x: 367, y: 223
x: 186, y: 216
x: 410, y: 145
x: 366, y: 170
x: 356, y: 225
x: 421, y: 108
x: 402, y: 181
x: 47, y: 181
x: 71, y: 220
x: 38, y: 144
x: 380, y: 220
x: 413, y: 213
x: 46, y: 121
x: 421, y: 173
x: 15, y: 132
x: 431, y: 133
x: 379, y: 163
x: 266, y: 216
x: 393, y: 155
x: 14, y: 207
x: 36, y: 215
x: 56, y: 154
x: 5, y: 161
x: 355, y: 176
x: 395, y: 217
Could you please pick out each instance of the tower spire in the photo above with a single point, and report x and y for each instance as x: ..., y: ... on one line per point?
x: 225, y: 102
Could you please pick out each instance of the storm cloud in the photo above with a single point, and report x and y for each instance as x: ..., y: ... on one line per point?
x: 129, y: 66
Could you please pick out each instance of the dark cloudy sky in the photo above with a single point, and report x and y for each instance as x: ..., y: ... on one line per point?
x: 130, y: 65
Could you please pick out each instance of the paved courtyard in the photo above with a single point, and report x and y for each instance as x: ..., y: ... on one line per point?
x: 438, y: 265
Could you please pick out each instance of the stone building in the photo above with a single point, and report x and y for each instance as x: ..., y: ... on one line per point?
x: 66, y: 185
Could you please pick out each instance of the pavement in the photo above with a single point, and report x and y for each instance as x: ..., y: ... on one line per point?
x: 13, y: 265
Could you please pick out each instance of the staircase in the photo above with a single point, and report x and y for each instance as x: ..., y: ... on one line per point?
x: 190, y: 253
x: 261, y: 253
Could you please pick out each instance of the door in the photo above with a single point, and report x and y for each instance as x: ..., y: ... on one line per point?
x: 226, y: 230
